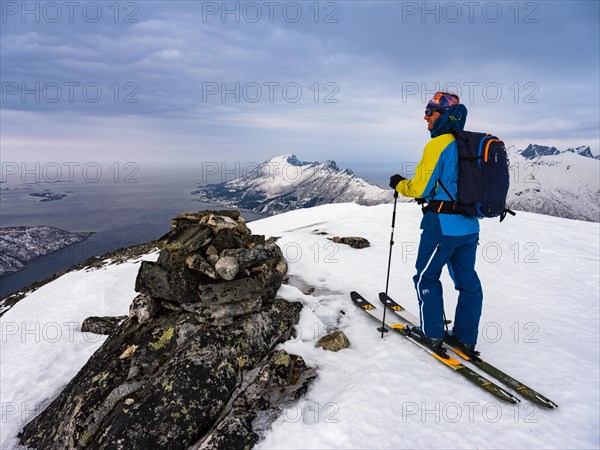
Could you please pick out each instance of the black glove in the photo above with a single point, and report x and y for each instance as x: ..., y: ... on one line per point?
x: 395, y: 179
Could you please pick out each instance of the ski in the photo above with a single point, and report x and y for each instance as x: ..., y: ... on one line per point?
x: 486, y: 367
x: 450, y: 362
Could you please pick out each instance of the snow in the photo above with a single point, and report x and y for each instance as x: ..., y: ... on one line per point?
x: 43, y: 347
x: 540, y: 323
x: 541, y: 280
x: 562, y: 185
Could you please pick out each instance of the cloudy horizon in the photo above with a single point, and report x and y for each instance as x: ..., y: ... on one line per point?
x: 180, y: 83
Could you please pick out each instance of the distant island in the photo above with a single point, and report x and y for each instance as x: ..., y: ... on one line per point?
x: 48, y: 196
x: 21, y: 244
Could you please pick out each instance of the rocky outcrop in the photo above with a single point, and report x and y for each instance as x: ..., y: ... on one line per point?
x: 352, y: 241
x: 334, y: 342
x: 283, y: 379
x: 101, y: 325
x: 170, y: 375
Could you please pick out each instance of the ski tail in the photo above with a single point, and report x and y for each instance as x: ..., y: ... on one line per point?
x: 524, y: 390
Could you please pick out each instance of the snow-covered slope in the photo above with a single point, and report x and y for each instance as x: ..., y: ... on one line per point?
x: 562, y: 184
x: 21, y: 244
x: 42, y: 343
x: 540, y: 324
x: 284, y: 183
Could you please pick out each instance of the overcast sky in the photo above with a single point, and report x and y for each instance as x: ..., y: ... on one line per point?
x: 182, y: 83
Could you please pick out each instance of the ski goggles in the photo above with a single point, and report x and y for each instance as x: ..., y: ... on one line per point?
x: 429, y: 112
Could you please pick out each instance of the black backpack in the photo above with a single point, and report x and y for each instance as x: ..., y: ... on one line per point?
x: 483, y: 178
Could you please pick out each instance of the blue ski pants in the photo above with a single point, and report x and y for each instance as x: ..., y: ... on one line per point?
x: 458, y: 252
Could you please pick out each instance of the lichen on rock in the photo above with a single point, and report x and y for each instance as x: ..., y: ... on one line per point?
x: 169, y: 371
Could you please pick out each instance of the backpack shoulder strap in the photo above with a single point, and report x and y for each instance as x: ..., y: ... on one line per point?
x: 446, y: 191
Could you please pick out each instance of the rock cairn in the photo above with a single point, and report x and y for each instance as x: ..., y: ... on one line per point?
x: 170, y: 375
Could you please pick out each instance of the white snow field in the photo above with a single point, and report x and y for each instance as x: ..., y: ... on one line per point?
x: 540, y: 323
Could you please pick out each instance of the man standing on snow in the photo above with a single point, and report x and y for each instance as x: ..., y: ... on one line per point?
x: 447, y: 239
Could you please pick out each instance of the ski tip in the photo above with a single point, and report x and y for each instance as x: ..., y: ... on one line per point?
x: 360, y: 300
x: 383, y: 297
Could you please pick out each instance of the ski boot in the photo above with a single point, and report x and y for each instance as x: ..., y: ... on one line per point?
x: 467, y: 349
x: 435, y: 344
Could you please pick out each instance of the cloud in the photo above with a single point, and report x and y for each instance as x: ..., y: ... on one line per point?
x: 176, y: 87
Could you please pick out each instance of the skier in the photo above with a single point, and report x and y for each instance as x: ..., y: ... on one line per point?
x: 446, y: 239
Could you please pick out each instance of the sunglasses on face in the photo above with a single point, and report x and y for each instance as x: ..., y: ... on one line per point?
x: 429, y: 112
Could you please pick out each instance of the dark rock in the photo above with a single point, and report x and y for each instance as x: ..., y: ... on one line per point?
x: 250, y: 257
x: 227, y: 239
x: 102, y: 325
x: 166, y: 375
x: 233, y: 432
x: 334, y: 342
x: 352, y: 241
x: 242, y: 228
x: 161, y: 385
x: 182, y: 221
x: 219, y: 223
x: 48, y: 196
x: 153, y: 280
x: 170, y: 305
x: 222, y: 311
x: 180, y: 245
x: 174, y: 285
x: 143, y: 308
x: 282, y: 380
x: 230, y: 291
x: 255, y: 239
x: 199, y: 264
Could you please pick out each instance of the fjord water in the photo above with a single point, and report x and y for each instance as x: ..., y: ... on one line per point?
x: 119, y: 214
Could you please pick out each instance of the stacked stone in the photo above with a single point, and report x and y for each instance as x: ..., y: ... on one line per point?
x: 166, y: 377
x: 210, y: 265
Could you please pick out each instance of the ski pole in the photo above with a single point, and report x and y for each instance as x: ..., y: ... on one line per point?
x: 383, y: 329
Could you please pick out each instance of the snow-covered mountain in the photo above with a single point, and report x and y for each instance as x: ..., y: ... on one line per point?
x: 534, y: 151
x: 284, y: 183
x: 544, y: 180
x: 583, y: 151
x: 562, y: 184
x: 21, y: 244
x: 379, y: 393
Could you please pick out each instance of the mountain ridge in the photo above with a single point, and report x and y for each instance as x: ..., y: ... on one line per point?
x: 284, y: 183
x: 534, y: 151
x: 544, y: 180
